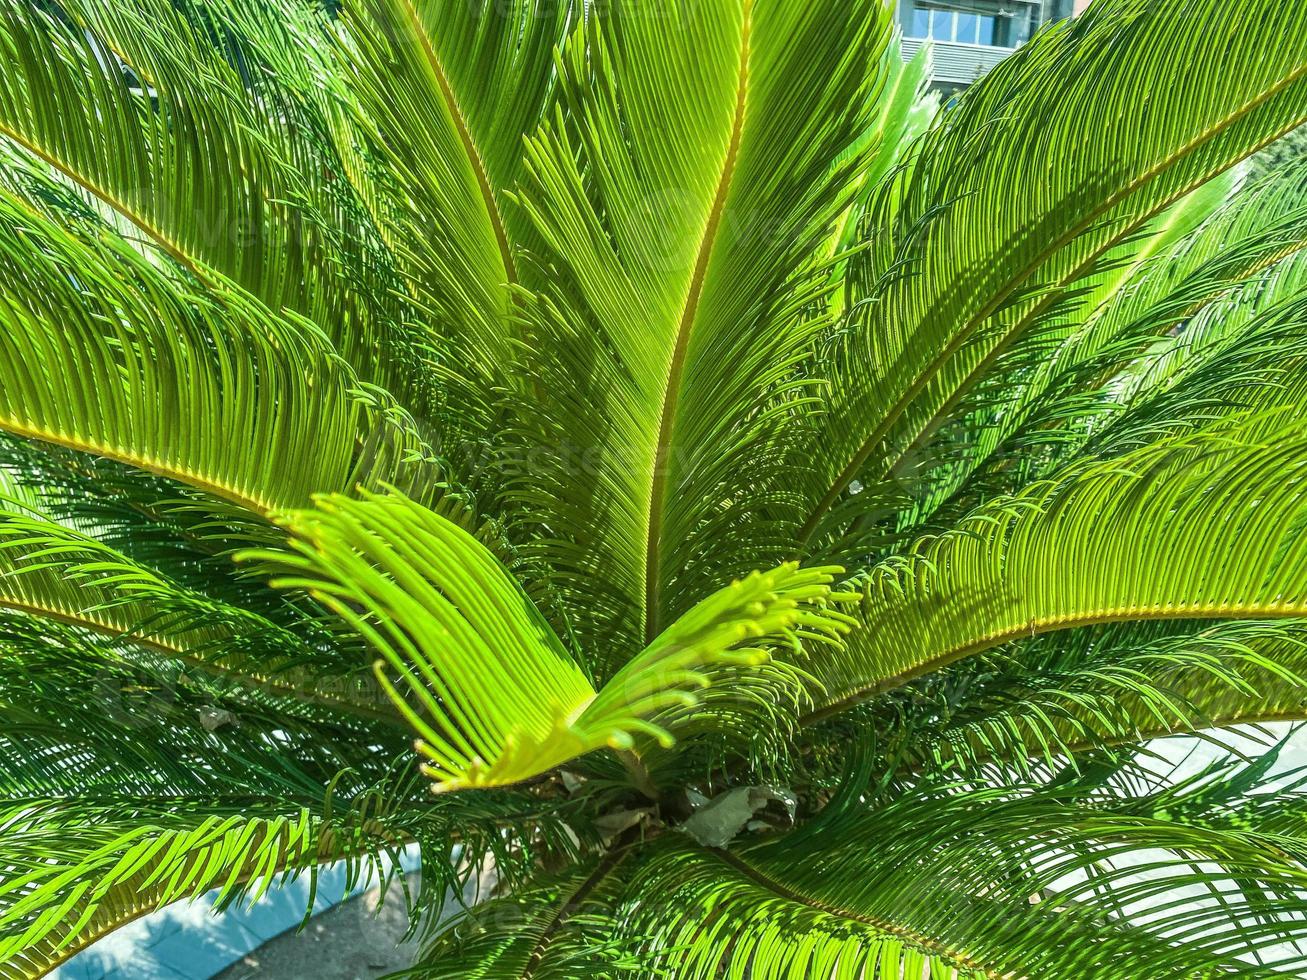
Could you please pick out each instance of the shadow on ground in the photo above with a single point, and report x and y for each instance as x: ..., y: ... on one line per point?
x: 360, y: 939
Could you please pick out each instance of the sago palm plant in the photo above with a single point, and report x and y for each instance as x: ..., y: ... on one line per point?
x: 783, y: 509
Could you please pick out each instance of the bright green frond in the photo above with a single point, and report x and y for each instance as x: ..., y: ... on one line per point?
x: 102, y: 353
x: 498, y: 699
x: 497, y: 694
x: 995, y: 883
x: 447, y: 91
x: 1116, y: 684
x: 556, y: 928
x: 140, y: 106
x: 906, y: 109
x: 51, y: 571
x: 477, y: 377
x: 76, y: 868
x: 696, y: 168
x: 55, y: 899
x: 1206, y: 526
x: 1015, y: 198
x: 1205, y: 345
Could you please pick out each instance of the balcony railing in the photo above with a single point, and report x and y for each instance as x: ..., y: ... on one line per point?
x: 956, y: 64
x: 970, y: 37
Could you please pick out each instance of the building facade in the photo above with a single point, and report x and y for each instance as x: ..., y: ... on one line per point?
x: 972, y: 36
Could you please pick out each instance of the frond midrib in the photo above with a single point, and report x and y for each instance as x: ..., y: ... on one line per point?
x: 1049, y: 624
x: 899, y: 932
x: 174, y: 651
x: 156, y: 235
x: 1054, y: 296
x: 574, y: 901
x: 676, y: 369
x: 254, y: 504
x: 138, y: 903
x: 860, y: 457
x: 470, y: 149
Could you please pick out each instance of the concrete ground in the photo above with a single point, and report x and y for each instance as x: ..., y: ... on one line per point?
x: 355, y: 940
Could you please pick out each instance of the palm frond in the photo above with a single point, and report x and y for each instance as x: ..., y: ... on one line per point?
x: 724, y: 123
x: 161, y: 108
x: 57, y: 572
x: 529, y: 349
x: 1068, y: 375
x: 557, y: 927
x: 499, y: 697
x: 989, y: 883
x: 990, y: 226
x: 76, y: 868
x: 214, y: 391
x: 1223, y: 512
x: 1118, y: 684
x: 84, y: 714
x: 427, y: 82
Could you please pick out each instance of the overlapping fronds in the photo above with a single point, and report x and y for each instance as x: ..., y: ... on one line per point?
x: 1062, y: 379
x: 905, y: 109
x: 51, y: 570
x: 1007, y: 206
x: 429, y: 83
x: 993, y: 883
x: 77, y: 867
x: 498, y: 697
x: 82, y: 714
x: 529, y: 349
x: 142, y: 106
x: 1223, y: 510
x: 128, y: 873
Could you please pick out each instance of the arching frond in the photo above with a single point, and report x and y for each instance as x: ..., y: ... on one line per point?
x: 528, y: 348
x: 75, y: 868
x: 1059, y: 381
x: 991, y: 225
x: 499, y: 699
x: 430, y: 80
x: 678, y: 196
x: 556, y: 928
x: 987, y: 883
x: 906, y: 108
x: 1119, y: 684
x: 1223, y: 514
x: 83, y: 714
x: 104, y: 354
x: 49, y: 570
x: 139, y: 106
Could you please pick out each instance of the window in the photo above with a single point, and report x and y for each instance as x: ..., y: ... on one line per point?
x: 1023, y: 21
x: 1005, y: 23
x: 966, y: 28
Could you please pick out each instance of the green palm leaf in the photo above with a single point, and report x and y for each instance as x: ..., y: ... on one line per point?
x: 195, y: 386
x: 1225, y: 514
x: 960, y: 886
x: 1118, y: 685
x: 523, y: 376
x: 989, y: 268
x: 674, y: 322
x: 499, y: 699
